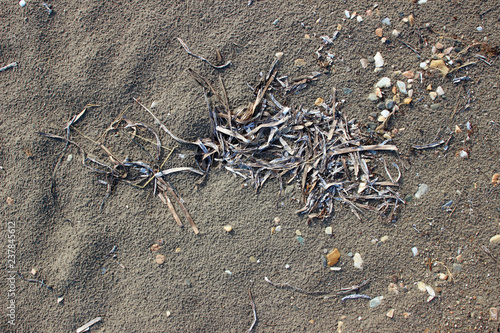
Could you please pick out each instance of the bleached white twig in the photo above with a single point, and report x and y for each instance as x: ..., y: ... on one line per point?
x: 87, y: 325
x: 11, y: 65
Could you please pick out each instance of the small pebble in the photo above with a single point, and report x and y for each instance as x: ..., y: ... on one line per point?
x: 402, y: 87
x: 457, y: 268
x: 386, y: 21
x: 22, y: 3
x: 228, y: 228
x: 379, y: 32
x: 328, y: 231
x: 60, y: 299
x: 347, y: 14
x: 384, y: 82
x: 463, y: 154
x: 301, y: 240
x: 414, y: 251
x: 228, y: 272
x: 395, y: 33
x: 154, y: 104
x: 70, y: 158
x: 372, y: 97
x: 359, y: 18
x: 160, y: 259
x: 421, y: 286
x: 168, y: 313
x: 358, y: 262
x: 440, y: 91
x: 252, y: 259
x: 279, y: 55
x: 379, y: 61
x: 33, y: 271
x: 385, y: 113
x: 433, y: 95
x: 287, y: 266
x: 350, y: 254
x: 480, y: 29
x: 376, y: 301
x: 333, y: 257
x: 407, y: 100
x: 422, y: 190
x: 298, y: 233
x: 390, y: 313
x: 495, y: 239
x: 278, y: 228
x: 381, y: 105
x: 384, y: 238
x: 435, y: 106
x: 421, y: 2
x: 364, y: 62
x: 275, y: 22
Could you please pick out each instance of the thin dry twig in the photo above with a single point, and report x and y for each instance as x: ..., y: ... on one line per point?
x: 11, y: 65
x: 201, y: 58
x: 253, y: 310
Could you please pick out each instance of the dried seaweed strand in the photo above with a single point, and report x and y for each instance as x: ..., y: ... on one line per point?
x: 199, y: 57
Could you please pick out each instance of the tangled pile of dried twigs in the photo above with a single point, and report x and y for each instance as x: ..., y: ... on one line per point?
x: 327, y: 154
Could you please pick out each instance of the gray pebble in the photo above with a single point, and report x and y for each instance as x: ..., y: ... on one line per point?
x: 381, y: 106
x: 457, y: 268
x: 435, y: 106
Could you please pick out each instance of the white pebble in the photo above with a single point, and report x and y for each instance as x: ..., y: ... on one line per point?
x: 347, y: 14
x: 421, y: 2
x: 22, y: 3
x: 414, y: 250
x: 328, y: 230
x: 440, y: 91
x: 423, y: 65
x: 385, y: 113
x: 359, y: 18
x: 422, y: 189
x: 379, y: 61
x: 358, y: 262
x: 287, y: 266
x: 402, y: 87
x: 228, y: 272
x: 480, y: 28
x: 386, y: 21
x: 70, y: 158
x: 154, y: 104
x: 421, y: 286
x: 463, y: 154
x: 495, y: 239
x: 384, y: 82
x: 278, y: 228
